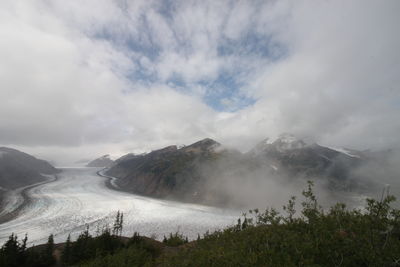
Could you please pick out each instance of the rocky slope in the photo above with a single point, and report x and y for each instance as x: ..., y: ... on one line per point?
x: 103, y: 161
x: 312, y: 161
x: 207, y: 172
x: 19, y: 169
x: 167, y: 173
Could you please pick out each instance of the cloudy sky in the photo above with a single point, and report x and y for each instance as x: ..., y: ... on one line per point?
x: 83, y: 78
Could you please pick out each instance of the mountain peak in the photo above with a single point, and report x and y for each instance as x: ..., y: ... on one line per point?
x: 102, y: 161
x: 284, y: 142
x: 288, y: 141
x: 206, y: 144
x: 287, y: 138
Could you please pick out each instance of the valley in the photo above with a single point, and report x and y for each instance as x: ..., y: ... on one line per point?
x: 79, y: 197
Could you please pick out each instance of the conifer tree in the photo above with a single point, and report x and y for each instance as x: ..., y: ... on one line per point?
x: 66, y: 254
x: 48, y: 258
x: 116, y: 224
x: 121, y: 222
x: 12, y: 253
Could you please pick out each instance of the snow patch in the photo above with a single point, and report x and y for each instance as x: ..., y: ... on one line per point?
x: 283, y: 143
x: 267, y: 141
x: 344, y: 151
x: 287, y: 138
x: 288, y: 142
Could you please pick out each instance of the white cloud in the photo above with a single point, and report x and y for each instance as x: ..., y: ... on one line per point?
x: 94, y: 76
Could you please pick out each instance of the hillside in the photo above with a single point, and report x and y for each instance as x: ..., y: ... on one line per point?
x: 167, y: 173
x: 103, y: 161
x: 206, y: 172
x: 295, y: 158
x: 19, y: 169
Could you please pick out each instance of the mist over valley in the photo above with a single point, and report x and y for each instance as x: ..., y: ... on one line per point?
x: 197, y: 133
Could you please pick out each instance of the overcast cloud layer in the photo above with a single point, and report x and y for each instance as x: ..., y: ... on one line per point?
x: 84, y: 78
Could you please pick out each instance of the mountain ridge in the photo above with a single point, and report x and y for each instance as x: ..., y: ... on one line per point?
x: 19, y: 169
x: 103, y: 161
x: 193, y: 173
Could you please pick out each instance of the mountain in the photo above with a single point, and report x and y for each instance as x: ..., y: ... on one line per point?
x: 19, y: 169
x: 167, y: 173
x: 209, y: 173
x: 297, y: 158
x: 103, y: 161
x: 82, y: 161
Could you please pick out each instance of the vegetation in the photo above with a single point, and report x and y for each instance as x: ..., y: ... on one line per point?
x: 338, y: 237
x: 175, y: 240
x: 89, y: 247
x: 138, y: 251
x: 314, y: 237
x: 14, y: 253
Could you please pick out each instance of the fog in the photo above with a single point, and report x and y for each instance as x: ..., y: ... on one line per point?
x: 384, y: 170
x: 240, y: 181
x: 234, y: 182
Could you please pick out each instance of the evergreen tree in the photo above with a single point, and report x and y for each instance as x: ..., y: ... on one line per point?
x: 12, y: 253
x: 24, y: 241
x: 66, y: 254
x: 121, y: 222
x: 116, y: 224
x: 48, y: 258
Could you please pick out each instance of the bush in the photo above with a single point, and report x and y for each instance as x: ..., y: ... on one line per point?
x: 175, y: 240
x: 339, y: 237
x: 131, y: 256
x: 87, y: 247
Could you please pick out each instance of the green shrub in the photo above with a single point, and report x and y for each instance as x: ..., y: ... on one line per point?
x: 175, y: 240
x: 338, y: 237
x: 131, y: 256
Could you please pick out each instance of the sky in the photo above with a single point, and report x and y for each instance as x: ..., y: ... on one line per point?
x: 79, y: 79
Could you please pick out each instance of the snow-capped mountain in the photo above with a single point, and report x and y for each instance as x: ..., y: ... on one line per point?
x: 182, y: 173
x: 296, y: 158
x: 283, y: 143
